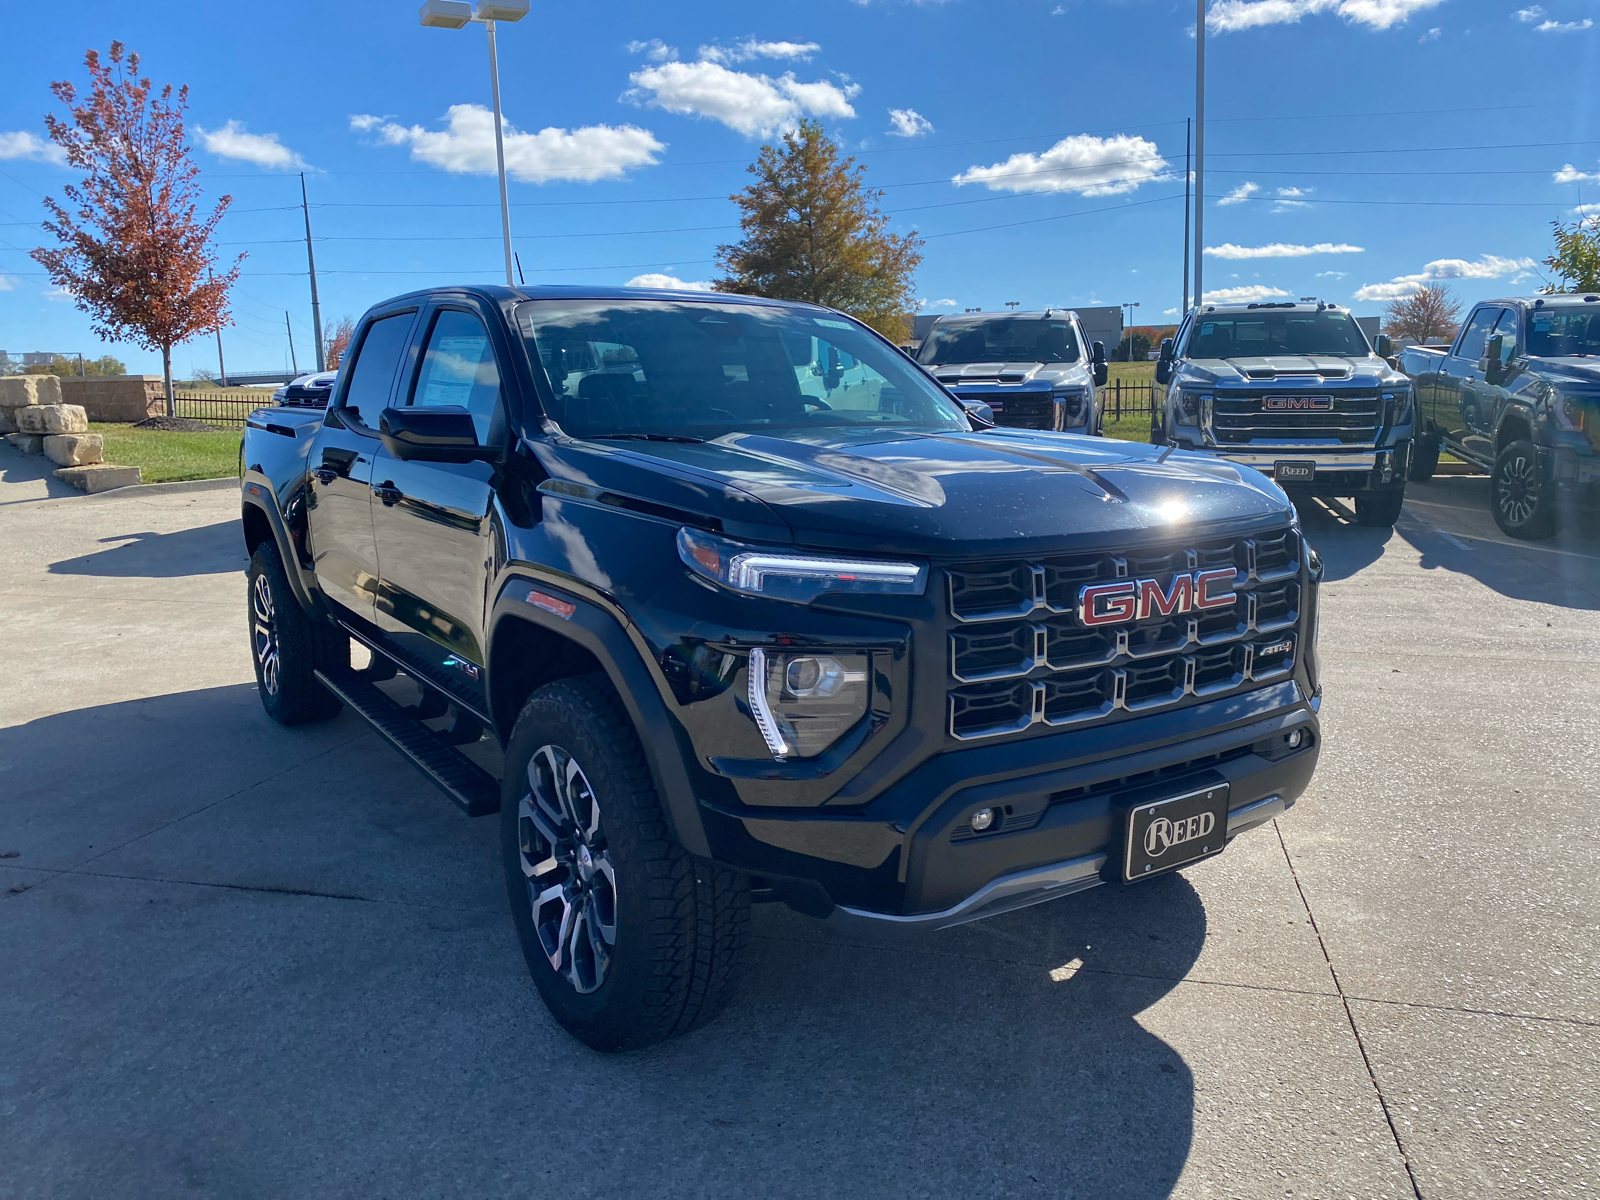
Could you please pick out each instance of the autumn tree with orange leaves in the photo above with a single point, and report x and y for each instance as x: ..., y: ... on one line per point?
x: 131, y: 248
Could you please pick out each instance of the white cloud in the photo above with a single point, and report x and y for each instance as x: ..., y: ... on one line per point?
x: 1488, y: 266
x: 1169, y: 312
x: 1240, y: 194
x: 263, y: 149
x: 59, y: 295
x: 365, y: 122
x: 1528, y: 15
x: 750, y: 48
x: 655, y: 50
x: 753, y: 105
x: 1248, y: 294
x: 936, y: 303
x: 1432, y: 35
x: 1571, y: 174
x: 908, y: 123
x: 1281, y: 250
x: 670, y: 282
x: 1230, y: 16
x: 1564, y: 26
x: 1331, y: 274
x: 8, y: 283
x: 1081, y: 163
x: 22, y: 144
x: 551, y: 155
x: 1585, y: 210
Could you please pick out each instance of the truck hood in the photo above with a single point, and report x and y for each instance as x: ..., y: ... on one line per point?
x: 1581, y: 369
x: 1313, y: 370
x: 966, y: 494
x: 956, y: 374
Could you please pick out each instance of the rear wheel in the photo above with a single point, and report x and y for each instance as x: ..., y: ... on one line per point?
x: 629, y: 938
x: 1379, y: 508
x: 1523, y: 503
x: 287, y: 645
x: 1424, y: 458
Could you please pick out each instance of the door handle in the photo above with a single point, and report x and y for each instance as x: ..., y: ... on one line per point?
x: 325, y: 474
x: 388, y: 493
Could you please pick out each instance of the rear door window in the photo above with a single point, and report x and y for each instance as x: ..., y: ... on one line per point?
x: 372, y: 378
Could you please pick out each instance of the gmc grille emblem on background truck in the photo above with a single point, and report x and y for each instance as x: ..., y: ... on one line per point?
x: 1140, y: 599
x: 1297, y: 403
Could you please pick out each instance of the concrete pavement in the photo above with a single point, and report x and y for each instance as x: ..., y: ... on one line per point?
x: 249, y: 961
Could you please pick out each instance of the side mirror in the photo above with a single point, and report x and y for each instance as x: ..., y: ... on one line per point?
x: 441, y: 433
x: 978, y: 409
x: 1097, y: 352
x: 1163, y: 370
x: 1490, y: 363
x: 1384, y: 347
x: 1101, y: 374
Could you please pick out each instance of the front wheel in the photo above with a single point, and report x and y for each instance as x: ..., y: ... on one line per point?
x: 1381, y: 509
x: 629, y: 938
x: 287, y: 645
x: 1524, y: 504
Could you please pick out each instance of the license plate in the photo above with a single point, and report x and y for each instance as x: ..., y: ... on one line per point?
x: 1164, y: 834
x: 1294, y: 472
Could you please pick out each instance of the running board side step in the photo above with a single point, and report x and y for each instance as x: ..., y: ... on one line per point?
x: 475, y: 790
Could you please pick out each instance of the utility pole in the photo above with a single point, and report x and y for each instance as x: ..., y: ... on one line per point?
x: 1199, y: 146
x: 294, y: 363
x: 311, y: 264
x: 222, y: 367
x: 1188, y: 132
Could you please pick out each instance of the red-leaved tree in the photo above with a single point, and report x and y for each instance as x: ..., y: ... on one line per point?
x: 131, y: 248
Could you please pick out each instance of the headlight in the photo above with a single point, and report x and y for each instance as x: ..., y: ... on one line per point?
x: 1401, y: 398
x: 1073, y: 402
x: 803, y: 703
x: 1189, y: 403
x: 800, y: 578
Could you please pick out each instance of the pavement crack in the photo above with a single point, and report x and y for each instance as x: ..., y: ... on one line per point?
x: 1366, y: 1060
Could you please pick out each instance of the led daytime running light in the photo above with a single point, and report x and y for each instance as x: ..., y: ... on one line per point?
x: 796, y: 577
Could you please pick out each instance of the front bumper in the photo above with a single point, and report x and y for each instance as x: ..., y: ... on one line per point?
x: 1337, y: 474
x: 910, y: 859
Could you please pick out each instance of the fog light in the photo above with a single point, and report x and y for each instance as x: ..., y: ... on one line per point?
x: 982, y: 819
x: 1294, y: 739
x: 804, y: 703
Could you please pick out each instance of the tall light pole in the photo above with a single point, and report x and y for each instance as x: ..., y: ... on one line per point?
x: 1199, y: 145
x: 1128, y: 337
x: 456, y: 14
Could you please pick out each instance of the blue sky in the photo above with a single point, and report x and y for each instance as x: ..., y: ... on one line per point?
x: 1036, y: 144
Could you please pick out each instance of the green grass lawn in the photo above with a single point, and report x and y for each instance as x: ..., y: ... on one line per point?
x: 170, y: 457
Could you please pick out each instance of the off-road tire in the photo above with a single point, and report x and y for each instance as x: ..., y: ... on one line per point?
x: 1379, y: 509
x: 680, y: 922
x: 1424, y: 458
x: 1523, y: 503
x: 287, y: 645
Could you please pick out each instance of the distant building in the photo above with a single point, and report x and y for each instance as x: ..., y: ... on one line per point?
x: 1369, y: 326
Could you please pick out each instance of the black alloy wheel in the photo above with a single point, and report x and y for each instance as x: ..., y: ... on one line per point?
x: 572, y: 884
x: 1523, y: 502
x: 287, y: 645
x: 628, y: 937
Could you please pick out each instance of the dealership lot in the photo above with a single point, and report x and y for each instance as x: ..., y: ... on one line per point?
x: 244, y: 960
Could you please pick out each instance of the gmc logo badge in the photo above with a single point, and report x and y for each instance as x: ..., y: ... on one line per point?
x: 1138, y: 599
x: 1297, y: 403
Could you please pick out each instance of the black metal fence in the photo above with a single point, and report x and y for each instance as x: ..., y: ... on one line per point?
x: 228, y: 409
x: 1126, y: 398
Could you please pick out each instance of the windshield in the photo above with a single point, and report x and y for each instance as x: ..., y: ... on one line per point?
x: 686, y: 369
x: 1563, y: 332
x: 1000, y: 339
x: 1258, y: 334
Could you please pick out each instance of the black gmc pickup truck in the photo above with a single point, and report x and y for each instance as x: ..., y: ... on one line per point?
x: 1518, y: 394
x: 751, y: 609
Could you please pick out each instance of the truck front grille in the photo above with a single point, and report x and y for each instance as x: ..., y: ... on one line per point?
x: 1019, y: 410
x: 1351, y: 419
x: 1019, y: 656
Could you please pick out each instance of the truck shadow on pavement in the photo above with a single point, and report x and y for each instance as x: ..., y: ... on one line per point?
x: 206, y: 550
x: 293, y: 924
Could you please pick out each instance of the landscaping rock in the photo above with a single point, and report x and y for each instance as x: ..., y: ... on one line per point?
x: 44, y: 419
x: 28, y: 443
x: 8, y: 423
x: 74, y: 449
x: 19, y: 390
x: 101, y: 478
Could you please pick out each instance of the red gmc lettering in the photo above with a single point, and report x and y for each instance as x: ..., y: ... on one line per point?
x: 1107, y: 603
x: 1206, y: 581
x: 1179, y: 598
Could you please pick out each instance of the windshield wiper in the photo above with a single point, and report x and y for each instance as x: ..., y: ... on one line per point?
x: 640, y: 437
